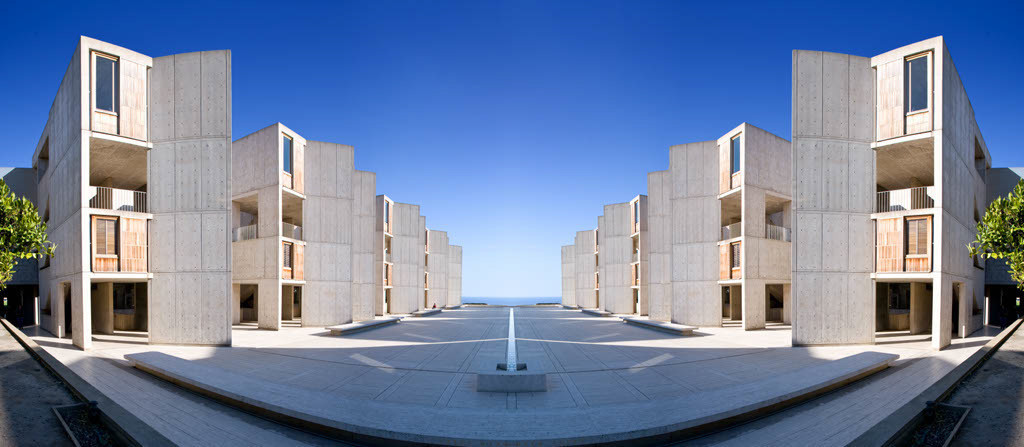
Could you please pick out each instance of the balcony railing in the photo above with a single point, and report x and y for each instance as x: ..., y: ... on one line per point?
x: 636, y: 257
x: 117, y: 199
x: 731, y: 231
x: 905, y: 199
x: 291, y: 231
x: 387, y: 256
x: 776, y: 232
x: 244, y: 233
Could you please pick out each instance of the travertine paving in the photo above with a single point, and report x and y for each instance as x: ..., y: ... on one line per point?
x: 593, y: 363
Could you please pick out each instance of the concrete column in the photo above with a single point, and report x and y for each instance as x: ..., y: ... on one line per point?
x: 920, y: 308
x: 753, y: 304
x: 287, y: 302
x: 942, y: 312
x: 81, y: 308
x: 269, y: 304
x: 787, y: 303
x: 103, y: 308
x: 236, y: 303
x: 735, y: 303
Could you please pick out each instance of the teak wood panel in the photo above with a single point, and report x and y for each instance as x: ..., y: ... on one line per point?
x: 105, y: 122
x: 919, y: 122
x: 286, y: 179
x: 298, y: 163
x: 132, y: 99
x: 724, y: 267
x: 736, y: 179
x: 101, y: 263
x: 134, y: 246
x: 889, y: 245
x: 921, y: 263
x: 298, y: 261
x: 889, y: 112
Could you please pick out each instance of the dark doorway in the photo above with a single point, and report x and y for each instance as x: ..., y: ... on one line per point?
x: 66, y: 289
x: 956, y: 309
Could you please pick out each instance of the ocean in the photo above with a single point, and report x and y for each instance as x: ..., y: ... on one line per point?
x: 511, y: 301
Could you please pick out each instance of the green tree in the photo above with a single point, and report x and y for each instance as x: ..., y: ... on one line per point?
x: 22, y: 233
x: 1001, y: 233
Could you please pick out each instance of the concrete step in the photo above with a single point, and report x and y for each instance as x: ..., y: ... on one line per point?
x: 359, y: 326
x: 671, y: 328
x: 597, y: 312
x: 426, y: 312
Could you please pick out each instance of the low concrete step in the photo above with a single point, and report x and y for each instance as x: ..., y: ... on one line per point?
x: 672, y: 328
x: 597, y: 312
x: 570, y: 307
x: 426, y: 312
x: 359, y: 326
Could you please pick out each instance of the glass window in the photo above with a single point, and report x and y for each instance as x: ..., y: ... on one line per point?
x: 106, y: 83
x: 286, y: 144
x: 916, y: 84
x: 736, y: 154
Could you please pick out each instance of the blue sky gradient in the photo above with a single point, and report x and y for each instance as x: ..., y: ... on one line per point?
x: 496, y: 117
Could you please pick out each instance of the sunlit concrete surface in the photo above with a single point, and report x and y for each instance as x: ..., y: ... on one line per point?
x: 592, y: 364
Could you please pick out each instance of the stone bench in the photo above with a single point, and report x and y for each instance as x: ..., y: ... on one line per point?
x: 426, y: 312
x: 359, y: 326
x: 597, y: 312
x: 671, y: 328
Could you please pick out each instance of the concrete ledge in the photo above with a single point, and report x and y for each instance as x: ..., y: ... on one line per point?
x: 359, y: 326
x: 570, y: 307
x: 655, y: 422
x: 128, y: 428
x: 901, y: 422
x: 511, y: 382
x: 426, y: 312
x: 453, y: 307
x: 671, y: 328
x: 597, y: 312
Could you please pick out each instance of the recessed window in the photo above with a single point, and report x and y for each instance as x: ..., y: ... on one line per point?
x: 286, y: 149
x: 106, y: 237
x: 735, y: 154
x: 106, y: 83
x: 916, y: 84
x: 734, y: 256
x: 917, y: 236
x: 287, y: 254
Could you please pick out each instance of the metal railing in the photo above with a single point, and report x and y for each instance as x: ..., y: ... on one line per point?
x: 776, y: 232
x: 731, y: 231
x: 244, y: 233
x: 292, y: 231
x: 117, y: 199
x: 905, y: 199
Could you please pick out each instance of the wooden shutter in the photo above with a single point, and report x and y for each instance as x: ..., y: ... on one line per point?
x: 134, y: 247
x: 132, y: 113
x: 889, y: 245
x: 889, y: 112
x: 104, y: 244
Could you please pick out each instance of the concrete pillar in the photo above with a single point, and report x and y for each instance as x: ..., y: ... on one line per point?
x: 269, y: 304
x: 735, y: 303
x: 81, y: 310
x: 103, y: 308
x: 753, y: 304
x: 920, y: 308
x: 287, y: 302
x: 942, y: 312
x: 787, y: 303
x: 236, y: 303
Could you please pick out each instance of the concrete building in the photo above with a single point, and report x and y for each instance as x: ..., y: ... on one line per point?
x: 569, y: 275
x: 586, y: 269
x: 454, y: 276
x: 436, y: 270
x: 136, y: 145
x: 22, y: 291
x: 302, y: 230
x: 886, y: 149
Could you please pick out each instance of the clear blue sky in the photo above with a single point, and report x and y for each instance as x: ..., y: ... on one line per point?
x: 513, y: 107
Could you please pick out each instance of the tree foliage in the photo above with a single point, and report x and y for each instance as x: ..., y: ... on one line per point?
x: 1001, y: 233
x: 22, y: 233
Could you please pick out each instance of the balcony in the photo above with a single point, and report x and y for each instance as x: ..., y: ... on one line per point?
x: 636, y: 257
x: 905, y: 199
x: 387, y: 256
x: 776, y: 232
x: 244, y: 233
x: 291, y: 231
x: 101, y: 197
x: 732, y: 231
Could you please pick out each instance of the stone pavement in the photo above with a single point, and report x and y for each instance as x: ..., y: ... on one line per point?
x: 28, y: 392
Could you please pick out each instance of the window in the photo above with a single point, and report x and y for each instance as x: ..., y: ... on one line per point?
x: 917, y: 236
x: 387, y: 216
x: 106, y: 237
x: 106, y: 82
x: 916, y: 84
x: 124, y: 297
x: 899, y: 297
x: 636, y: 212
x: 734, y: 255
x: 287, y: 250
x: 736, y: 153
x: 286, y: 145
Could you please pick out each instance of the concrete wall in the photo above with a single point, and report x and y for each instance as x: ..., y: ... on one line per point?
x: 659, y: 223
x: 328, y: 218
x: 364, y: 268
x: 438, y: 268
x: 694, y: 232
x: 569, y: 275
x: 586, y: 264
x: 833, y: 196
x: 645, y: 257
x: 189, y: 196
x: 407, y: 246
x: 615, y: 258
x: 454, y: 275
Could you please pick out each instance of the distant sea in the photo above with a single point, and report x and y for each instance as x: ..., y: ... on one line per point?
x: 514, y: 301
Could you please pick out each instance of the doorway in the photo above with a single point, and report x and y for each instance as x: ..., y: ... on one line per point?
x: 387, y: 301
x: 636, y: 301
x: 66, y: 290
x: 249, y: 302
x: 956, y: 309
